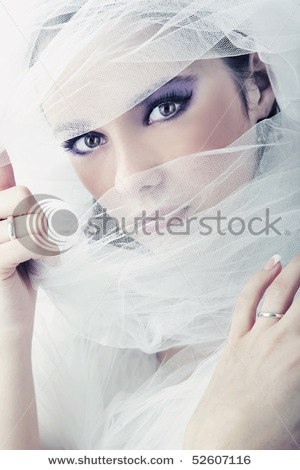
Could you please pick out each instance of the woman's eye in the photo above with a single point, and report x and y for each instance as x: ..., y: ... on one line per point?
x: 84, y: 144
x: 88, y: 143
x: 164, y: 110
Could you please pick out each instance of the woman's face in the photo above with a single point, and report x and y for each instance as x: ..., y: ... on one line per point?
x: 199, y: 110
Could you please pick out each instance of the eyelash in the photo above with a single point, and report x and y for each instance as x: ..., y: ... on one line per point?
x: 69, y: 144
x: 173, y: 97
x: 178, y: 97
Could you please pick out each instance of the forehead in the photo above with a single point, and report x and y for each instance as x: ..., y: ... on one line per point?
x: 100, y: 63
x: 92, y: 101
x: 87, y: 96
x: 82, y: 126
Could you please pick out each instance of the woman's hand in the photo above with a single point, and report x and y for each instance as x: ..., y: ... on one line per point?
x: 17, y: 296
x: 19, y: 423
x: 253, y: 398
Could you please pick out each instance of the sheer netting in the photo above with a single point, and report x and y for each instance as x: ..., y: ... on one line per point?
x: 124, y: 288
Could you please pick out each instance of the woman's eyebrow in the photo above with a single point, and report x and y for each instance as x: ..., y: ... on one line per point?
x: 80, y: 127
x: 139, y: 100
x: 77, y: 126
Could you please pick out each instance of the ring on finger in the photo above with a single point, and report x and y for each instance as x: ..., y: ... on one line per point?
x: 270, y: 314
x: 11, y: 228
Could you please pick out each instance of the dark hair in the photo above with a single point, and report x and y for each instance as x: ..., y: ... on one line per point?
x: 45, y: 35
x: 239, y: 68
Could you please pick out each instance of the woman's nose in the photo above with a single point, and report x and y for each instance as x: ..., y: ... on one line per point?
x: 135, y: 177
x: 134, y: 157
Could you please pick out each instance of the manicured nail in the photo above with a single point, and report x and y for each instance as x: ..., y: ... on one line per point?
x: 272, y: 262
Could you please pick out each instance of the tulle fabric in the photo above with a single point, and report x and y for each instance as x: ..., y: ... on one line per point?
x: 126, y: 301
x: 115, y: 298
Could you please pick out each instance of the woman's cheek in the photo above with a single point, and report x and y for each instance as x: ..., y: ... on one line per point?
x: 218, y: 116
x: 95, y: 175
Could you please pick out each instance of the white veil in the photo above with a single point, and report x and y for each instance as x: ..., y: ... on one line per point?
x: 117, y: 298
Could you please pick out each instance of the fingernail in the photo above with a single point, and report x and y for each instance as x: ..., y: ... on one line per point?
x: 272, y: 262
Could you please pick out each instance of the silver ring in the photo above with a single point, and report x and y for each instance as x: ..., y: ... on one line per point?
x: 11, y: 227
x: 269, y: 314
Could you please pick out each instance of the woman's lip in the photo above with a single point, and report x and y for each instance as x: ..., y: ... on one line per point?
x: 171, y: 211
x: 164, y: 211
x: 153, y: 225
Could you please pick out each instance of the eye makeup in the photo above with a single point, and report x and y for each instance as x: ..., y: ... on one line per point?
x: 177, y: 92
x: 90, y: 140
x: 176, y: 96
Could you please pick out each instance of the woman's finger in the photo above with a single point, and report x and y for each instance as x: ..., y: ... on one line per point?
x: 24, y: 225
x: 20, y: 250
x: 281, y: 292
x: 244, y: 314
x: 17, y: 200
x: 292, y: 315
x: 7, y: 177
